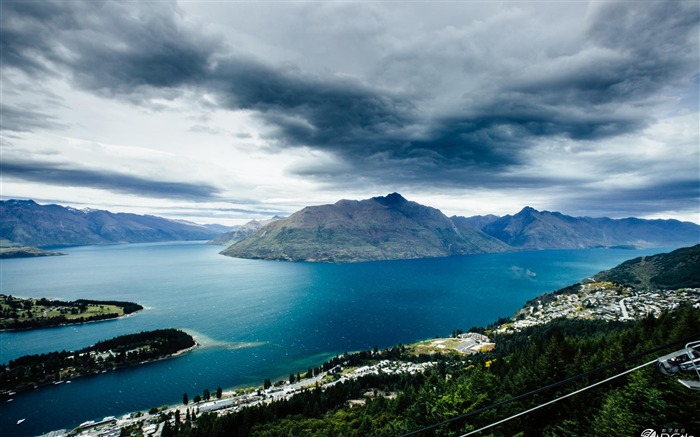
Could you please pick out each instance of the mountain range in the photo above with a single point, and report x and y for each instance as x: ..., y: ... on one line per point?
x: 27, y: 223
x: 380, y: 228
x: 536, y: 230
x: 391, y: 227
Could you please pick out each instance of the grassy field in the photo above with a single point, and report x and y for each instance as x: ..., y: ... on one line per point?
x: 31, y: 312
x: 433, y: 346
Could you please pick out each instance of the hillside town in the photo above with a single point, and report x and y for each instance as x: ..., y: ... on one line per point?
x: 152, y: 423
x: 603, y: 301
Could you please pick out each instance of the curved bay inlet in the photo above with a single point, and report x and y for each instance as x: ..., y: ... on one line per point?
x: 256, y: 319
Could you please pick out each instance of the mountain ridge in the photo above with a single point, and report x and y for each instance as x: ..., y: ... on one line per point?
x: 380, y: 228
x: 536, y: 230
x: 391, y: 227
x: 30, y: 224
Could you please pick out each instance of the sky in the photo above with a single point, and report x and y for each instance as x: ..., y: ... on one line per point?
x: 223, y: 111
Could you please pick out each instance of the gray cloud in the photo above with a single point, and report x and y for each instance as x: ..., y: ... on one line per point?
x: 18, y: 119
x: 108, y: 47
x: 61, y: 175
x: 639, y: 201
x: 604, y: 83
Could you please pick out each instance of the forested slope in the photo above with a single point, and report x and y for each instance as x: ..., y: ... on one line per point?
x: 672, y: 270
x: 520, y: 363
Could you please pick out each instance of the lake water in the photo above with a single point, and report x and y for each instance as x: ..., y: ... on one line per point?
x: 256, y: 319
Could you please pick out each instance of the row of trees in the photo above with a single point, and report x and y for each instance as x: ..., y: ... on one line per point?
x: 206, y: 395
x: 520, y: 363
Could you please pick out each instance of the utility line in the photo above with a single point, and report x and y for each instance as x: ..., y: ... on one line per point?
x: 553, y: 385
x: 522, y: 413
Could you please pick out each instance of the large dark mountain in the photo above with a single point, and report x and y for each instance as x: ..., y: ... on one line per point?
x: 532, y: 229
x: 28, y: 223
x: 678, y: 269
x: 380, y: 228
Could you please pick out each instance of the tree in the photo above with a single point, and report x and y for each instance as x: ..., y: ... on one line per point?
x: 185, y: 399
x: 167, y: 430
x: 267, y: 384
x: 219, y: 392
x: 205, y: 394
x: 197, y: 399
x: 291, y: 378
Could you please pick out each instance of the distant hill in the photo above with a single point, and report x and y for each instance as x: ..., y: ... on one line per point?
x: 380, y: 228
x: 678, y: 269
x: 532, y: 229
x: 29, y: 224
x: 241, y: 232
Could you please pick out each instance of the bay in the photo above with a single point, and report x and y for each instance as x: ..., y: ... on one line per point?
x: 256, y: 319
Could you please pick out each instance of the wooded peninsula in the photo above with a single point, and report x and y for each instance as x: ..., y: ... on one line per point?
x: 31, y: 313
x: 127, y: 350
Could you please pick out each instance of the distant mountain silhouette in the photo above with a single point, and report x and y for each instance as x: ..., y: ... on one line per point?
x: 532, y: 229
x: 241, y: 232
x: 380, y: 228
x: 30, y: 224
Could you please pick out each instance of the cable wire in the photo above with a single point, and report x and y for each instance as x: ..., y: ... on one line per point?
x: 553, y: 385
x: 522, y: 413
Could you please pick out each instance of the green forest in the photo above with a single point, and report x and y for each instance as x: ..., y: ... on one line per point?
x: 32, y: 370
x: 521, y: 363
x: 677, y: 269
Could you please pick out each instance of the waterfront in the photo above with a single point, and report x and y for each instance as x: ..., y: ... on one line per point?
x: 257, y: 319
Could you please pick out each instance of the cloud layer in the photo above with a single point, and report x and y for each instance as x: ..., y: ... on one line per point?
x: 451, y: 98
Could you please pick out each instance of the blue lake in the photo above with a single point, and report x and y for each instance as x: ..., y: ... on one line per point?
x: 257, y: 319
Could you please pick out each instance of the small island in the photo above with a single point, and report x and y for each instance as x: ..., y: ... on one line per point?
x: 25, y: 252
x: 30, y: 313
x: 30, y: 371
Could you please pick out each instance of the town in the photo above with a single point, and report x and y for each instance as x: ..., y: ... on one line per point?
x: 153, y: 422
x: 603, y: 301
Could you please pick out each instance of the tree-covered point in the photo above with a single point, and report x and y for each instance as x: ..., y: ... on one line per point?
x: 669, y: 271
x: 21, y: 313
x: 520, y: 363
x: 126, y: 350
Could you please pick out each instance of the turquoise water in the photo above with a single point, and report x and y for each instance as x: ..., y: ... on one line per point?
x: 256, y: 319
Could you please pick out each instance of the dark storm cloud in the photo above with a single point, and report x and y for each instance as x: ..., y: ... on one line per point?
x: 638, y: 201
x: 59, y: 175
x: 600, y: 88
x: 333, y: 113
x: 111, y: 47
